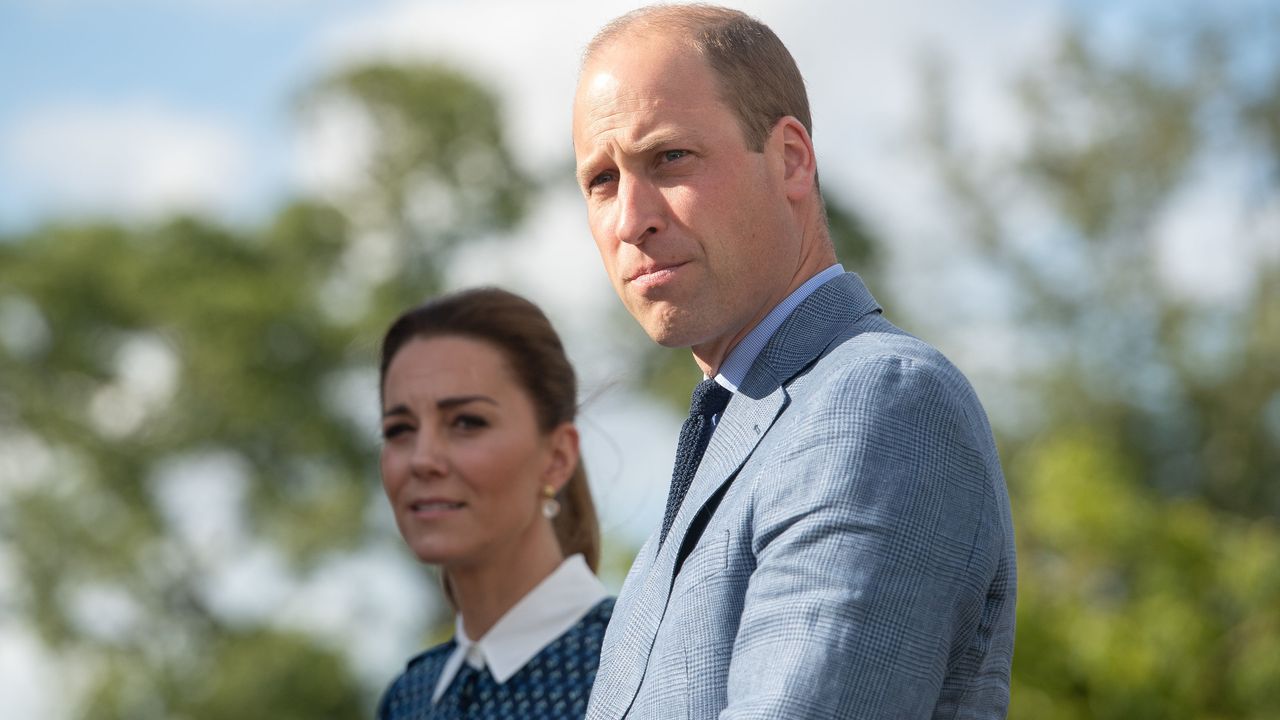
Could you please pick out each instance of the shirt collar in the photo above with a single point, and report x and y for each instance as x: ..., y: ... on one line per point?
x: 542, y: 615
x: 735, y: 367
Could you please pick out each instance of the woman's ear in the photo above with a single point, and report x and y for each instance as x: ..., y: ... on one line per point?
x: 563, y: 443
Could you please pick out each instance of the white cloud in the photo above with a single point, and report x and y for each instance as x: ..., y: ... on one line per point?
x: 1208, y: 240
x: 201, y: 496
x: 146, y: 378
x: 628, y: 445
x: 128, y: 158
x: 105, y: 612
x: 374, y: 604
x: 25, y: 461
x: 249, y: 585
x: 331, y: 148
x: 30, y: 680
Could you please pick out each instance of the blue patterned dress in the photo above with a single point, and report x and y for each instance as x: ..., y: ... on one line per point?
x: 554, y: 685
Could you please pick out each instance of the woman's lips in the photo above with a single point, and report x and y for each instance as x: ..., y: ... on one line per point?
x: 434, y: 507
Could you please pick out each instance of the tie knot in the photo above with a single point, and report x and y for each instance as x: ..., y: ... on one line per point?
x: 709, y: 398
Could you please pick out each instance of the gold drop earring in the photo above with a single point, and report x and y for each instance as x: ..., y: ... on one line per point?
x: 550, y: 506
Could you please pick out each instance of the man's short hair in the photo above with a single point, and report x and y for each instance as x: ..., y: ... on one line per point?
x: 757, y: 76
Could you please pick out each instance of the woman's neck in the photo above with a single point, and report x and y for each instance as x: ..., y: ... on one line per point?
x: 484, y: 592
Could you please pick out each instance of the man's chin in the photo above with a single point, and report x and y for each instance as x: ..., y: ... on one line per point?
x: 669, y: 335
x: 666, y: 324
x: 669, y: 343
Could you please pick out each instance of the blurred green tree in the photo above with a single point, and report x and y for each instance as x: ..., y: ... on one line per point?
x: 130, y: 354
x: 1135, y: 605
x: 1117, y: 148
x: 1145, y: 479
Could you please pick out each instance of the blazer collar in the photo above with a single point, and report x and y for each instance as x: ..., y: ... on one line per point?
x: 807, y: 333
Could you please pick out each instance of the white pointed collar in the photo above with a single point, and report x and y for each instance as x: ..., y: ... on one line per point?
x: 544, y: 614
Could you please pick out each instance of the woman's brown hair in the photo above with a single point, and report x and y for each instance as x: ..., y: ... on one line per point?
x: 537, y: 359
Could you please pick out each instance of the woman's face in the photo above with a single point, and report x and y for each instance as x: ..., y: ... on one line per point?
x: 463, y: 461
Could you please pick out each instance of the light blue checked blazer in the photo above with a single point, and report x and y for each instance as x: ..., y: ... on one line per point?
x: 845, y: 551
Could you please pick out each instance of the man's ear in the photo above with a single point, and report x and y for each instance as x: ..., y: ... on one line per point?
x: 563, y: 442
x: 794, y: 148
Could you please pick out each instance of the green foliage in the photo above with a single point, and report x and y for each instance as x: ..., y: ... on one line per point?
x: 1113, y: 143
x: 127, y: 351
x: 857, y: 248
x: 251, y: 361
x: 439, y: 170
x: 1144, y: 492
x: 1132, y: 605
x: 239, y: 675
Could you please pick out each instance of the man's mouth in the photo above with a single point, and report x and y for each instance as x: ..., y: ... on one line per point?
x: 653, y: 274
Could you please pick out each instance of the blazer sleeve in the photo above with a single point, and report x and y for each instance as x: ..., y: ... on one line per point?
x: 876, y: 534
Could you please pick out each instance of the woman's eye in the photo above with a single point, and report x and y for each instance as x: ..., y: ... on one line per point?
x: 469, y: 422
x: 391, y: 432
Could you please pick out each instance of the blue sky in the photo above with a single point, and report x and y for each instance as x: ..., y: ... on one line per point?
x: 200, y: 54
x: 236, y: 64
x: 231, y: 68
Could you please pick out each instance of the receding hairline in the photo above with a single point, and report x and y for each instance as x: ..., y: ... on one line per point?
x: 655, y: 23
x: 691, y: 19
x: 754, y: 73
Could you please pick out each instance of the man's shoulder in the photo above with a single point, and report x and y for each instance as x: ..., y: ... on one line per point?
x: 874, y: 377
x: 874, y: 352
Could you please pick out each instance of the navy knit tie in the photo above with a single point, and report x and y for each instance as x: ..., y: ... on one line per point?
x: 709, y: 399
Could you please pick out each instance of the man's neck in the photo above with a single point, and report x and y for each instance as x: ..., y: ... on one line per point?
x: 737, y: 355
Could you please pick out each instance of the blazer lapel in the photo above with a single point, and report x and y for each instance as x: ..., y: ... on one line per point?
x: 744, y: 422
x: 760, y: 400
x: 810, y: 329
x: 644, y: 605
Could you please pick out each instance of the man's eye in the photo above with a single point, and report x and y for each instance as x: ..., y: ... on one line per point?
x: 671, y: 155
x: 600, y: 179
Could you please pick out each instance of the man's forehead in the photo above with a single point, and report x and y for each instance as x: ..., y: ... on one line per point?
x: 596, y: 86
x: 642, y: 78
x: 637, y: 119
x: 640, y: 54
x: 643, y: 39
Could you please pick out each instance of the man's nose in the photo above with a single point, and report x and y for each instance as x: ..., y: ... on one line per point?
x: 641, y: 210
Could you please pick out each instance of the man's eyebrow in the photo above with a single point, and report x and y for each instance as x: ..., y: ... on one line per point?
x: 651, y: 142
x: 586, y: 171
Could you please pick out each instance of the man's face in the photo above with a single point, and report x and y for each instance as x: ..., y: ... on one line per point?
x: 688, y: 220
